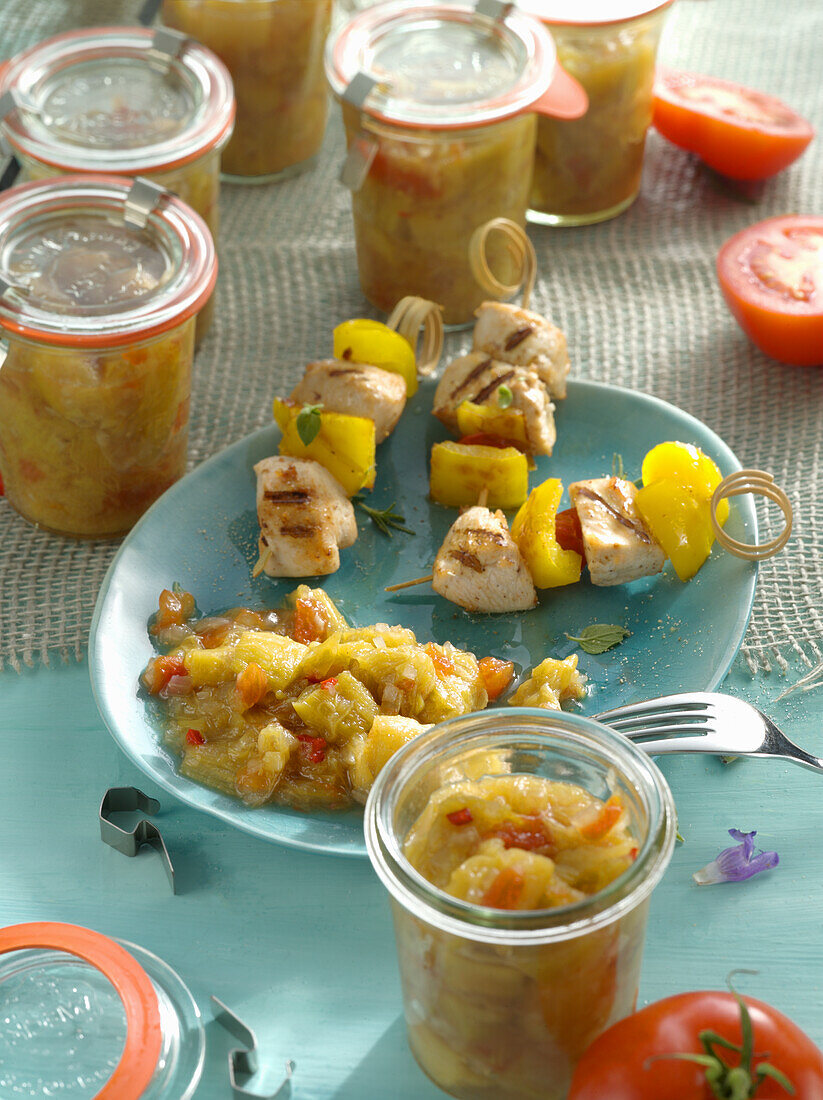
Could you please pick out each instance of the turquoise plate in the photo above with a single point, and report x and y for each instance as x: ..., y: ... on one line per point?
x: 202, y: 533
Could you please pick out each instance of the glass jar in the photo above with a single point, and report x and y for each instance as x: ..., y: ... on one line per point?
x: 589, y: 170
x: 274, y: 51
x: 86, y: 1016
x: 97, y: 314
x: 501, y: 1004
x: 104, y: 99
x: 442, y: 141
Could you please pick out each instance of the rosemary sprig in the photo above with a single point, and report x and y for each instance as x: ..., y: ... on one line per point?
x: 384, y: 519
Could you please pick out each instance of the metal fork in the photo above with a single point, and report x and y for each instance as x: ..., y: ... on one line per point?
x: 705, y: 722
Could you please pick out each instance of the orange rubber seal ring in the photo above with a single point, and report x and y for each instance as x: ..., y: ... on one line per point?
x: 141, y: 1051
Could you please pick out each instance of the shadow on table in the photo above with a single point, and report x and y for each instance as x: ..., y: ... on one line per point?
x: 390, y: 1063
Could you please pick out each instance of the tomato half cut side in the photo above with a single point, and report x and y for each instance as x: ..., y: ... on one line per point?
x: 771, y: 275
x: 740, y: 132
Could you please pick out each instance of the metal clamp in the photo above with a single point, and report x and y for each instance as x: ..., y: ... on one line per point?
x: 244, y: 1062
x: 494, y: 9
x: 142, y: 198
x: 166, y: 46
x: 12, y: 100
x: 363, y: 148
x: 126, y: 800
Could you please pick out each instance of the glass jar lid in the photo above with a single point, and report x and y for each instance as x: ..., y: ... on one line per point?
x: 85, y: 1016
x: 591, y: 12
x: 114, y: 99
x: 85, y: 262
x: 443, y: 65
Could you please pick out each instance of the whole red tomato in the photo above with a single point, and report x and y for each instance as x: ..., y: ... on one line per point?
x: 625, y: 1062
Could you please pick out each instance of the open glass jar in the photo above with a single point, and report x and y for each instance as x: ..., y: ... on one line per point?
x: 88, y: 1017
x: 274, y: 51
x: 589, y: 170
x: 501, y: 1002
x: 440, y: 104
x: 100, y: 285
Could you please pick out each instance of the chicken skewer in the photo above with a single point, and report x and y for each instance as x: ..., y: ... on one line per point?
x: 524, y: 339
x: 357, y: 389
x: 305, y: 518
x: 478, y: 378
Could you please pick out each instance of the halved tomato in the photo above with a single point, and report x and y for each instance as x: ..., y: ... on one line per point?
x: 739, y: 132
x: 771, y: 275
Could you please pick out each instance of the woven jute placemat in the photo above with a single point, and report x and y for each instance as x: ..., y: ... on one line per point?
x: 637, y: 297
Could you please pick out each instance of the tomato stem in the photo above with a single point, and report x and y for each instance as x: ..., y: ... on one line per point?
x: 740, y: 1082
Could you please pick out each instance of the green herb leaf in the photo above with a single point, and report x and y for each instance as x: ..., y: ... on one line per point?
x: 617, y: 465
x: 504, y: 396
x: 384, y: 519
x: 308, y: 423
x: 599, y: 637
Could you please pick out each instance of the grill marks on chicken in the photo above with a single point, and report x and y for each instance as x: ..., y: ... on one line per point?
x: 356, y: 389
x: 305, y: 518
x: 479, y: 566
x: 477, y: 378
x: 617, y: 544
x: 524, y: 339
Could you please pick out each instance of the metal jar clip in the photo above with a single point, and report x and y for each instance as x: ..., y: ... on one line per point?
x: 243, y: 1063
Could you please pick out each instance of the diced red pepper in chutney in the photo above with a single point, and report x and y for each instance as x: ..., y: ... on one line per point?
x: 461, y: 817
x: 159, y: 671
x: 195, y: 737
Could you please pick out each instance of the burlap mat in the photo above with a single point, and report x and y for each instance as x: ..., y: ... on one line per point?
x: 637, y: 298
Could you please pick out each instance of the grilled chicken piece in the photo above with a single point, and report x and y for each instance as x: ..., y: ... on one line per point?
x: 525, y: 339
x: 479, y: 566
x: 305, y: 518
x: 476, y: 377
x: 617, y: 544
x: 356, y: 389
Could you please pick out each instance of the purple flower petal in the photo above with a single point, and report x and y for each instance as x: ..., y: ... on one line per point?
x: 738, y: 863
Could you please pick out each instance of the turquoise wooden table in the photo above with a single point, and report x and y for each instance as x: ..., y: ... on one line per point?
x: 301, y: 945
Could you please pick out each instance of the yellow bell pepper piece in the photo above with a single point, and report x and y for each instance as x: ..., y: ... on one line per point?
x: 459, y: 473
x: 505, y: 423
x: 534, y: 532
x: 344, y: 445
x: 680, y: 522
x: 372, y: 342
x: 688, y: 465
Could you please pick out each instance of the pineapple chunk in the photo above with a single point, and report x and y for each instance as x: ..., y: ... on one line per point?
x: 491, y: 420
x: 460, y: 472
x: 388, y: 733
x: 339, y: 711
x: 550, y: 684
x: 345, y: 445
x: 275, y: 745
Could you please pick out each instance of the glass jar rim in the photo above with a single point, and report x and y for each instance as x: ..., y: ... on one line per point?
x: 186, y: 235
x: 493, y: 728
x: 151, y: 992
x: 592, y: 13
x: 346, y: 56
x: 30, y: 70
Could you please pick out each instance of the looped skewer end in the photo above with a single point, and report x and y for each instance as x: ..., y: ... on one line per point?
x: 413, y: 317
x: 518, y: 246
x: 762, y: 484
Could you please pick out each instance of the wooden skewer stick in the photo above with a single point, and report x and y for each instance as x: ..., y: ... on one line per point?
x: 408, y: 584
x: 481, y: 503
